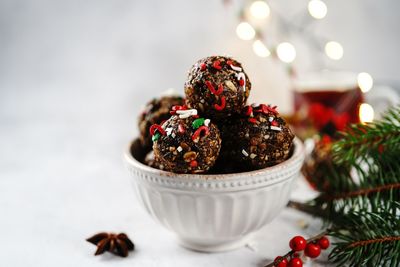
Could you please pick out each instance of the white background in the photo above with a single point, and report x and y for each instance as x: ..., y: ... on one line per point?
x: 73, y: 75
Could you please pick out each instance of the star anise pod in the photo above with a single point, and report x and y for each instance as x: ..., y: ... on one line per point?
x: 118, y: 244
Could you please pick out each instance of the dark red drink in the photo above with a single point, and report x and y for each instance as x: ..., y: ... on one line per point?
x: 327, y: 102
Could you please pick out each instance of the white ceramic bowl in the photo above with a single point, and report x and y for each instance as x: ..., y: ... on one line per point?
x: 213, y: 212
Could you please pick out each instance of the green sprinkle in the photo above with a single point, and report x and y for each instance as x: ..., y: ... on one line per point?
x: 197, y: 123
x: 155, y: 136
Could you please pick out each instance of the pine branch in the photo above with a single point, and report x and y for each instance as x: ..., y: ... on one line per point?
x: 367, y: 239
x: 362, y: 140
x: 360, y: 199
x: 370, y: 178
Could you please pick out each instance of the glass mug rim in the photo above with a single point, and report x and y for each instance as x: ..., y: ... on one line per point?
x: 325, y: 80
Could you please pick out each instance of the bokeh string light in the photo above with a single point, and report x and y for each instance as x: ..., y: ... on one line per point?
x: 366, y: 113
x: 334, y: 50
x: 286, y: 52
x: 259, y: 10
x: 365, y: 82
x: 260, y: 49
x: 245, y: 31
x: 317, y: 9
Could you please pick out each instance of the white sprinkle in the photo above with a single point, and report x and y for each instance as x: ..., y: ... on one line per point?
x: 240, y: 76
x: 247, y: 135
x: 206, y: 122
x: 266, y: 136
x: 179, y: 149
x: 202, y: 101
x: 183, y: 114
x: 255, y: 105
x: 173, y: 135
x: 236, y: 68
x: 276, y: 128
x: 266, y: 157
x: 168, y: 131
x: 271, y: 119
x: 252, y: 155
x: 245, y: 153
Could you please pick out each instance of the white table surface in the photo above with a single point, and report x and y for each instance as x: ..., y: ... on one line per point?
x: 72, y: 77
x: 63, y: 179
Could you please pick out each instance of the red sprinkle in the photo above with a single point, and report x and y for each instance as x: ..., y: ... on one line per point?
x: 229, y: 62
x: 203, y: 66
x: 193, y: 164
x: 212, y: 88
x: 221, y: 106
x: 248, y: 110
x: 195, y: 116
x: 252, y: 120
x: 273, y: 109
x: 216, y: 65
x: 176, y: 108
x: 197, y: 133
x: 241, y: 82
x: 157, y: 127
x: 266, y: 109
x: 181, y: 129
x: 274, y: 123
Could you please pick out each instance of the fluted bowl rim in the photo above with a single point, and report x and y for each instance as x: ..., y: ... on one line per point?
x: 218, y: 182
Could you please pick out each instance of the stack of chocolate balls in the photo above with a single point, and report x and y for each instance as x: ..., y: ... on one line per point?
x: 212, y: 130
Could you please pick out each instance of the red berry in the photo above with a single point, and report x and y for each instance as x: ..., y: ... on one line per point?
x: 283, y: 263
x: 323, y: 242
x: 298, y: 243
x: 295, y: 262
x: 312, y: 250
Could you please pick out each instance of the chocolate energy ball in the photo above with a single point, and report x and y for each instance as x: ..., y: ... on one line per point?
x: 258, y: 138
x: 186, y: 143
x: 217, y: 87
x: 156, y: 111
x: 320, y: 163
x: 149, y: 160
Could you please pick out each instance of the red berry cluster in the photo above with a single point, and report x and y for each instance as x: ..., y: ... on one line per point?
x: 298, y: 243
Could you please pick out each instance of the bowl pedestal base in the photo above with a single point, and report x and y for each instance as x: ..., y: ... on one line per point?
x: 213, y: 245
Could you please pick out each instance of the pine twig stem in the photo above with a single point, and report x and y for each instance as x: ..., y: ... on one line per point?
x: 306, y: 208
x: 372, y: 241
x: 371, y: 140
x: 363, y: 192
x: 290, y: 253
